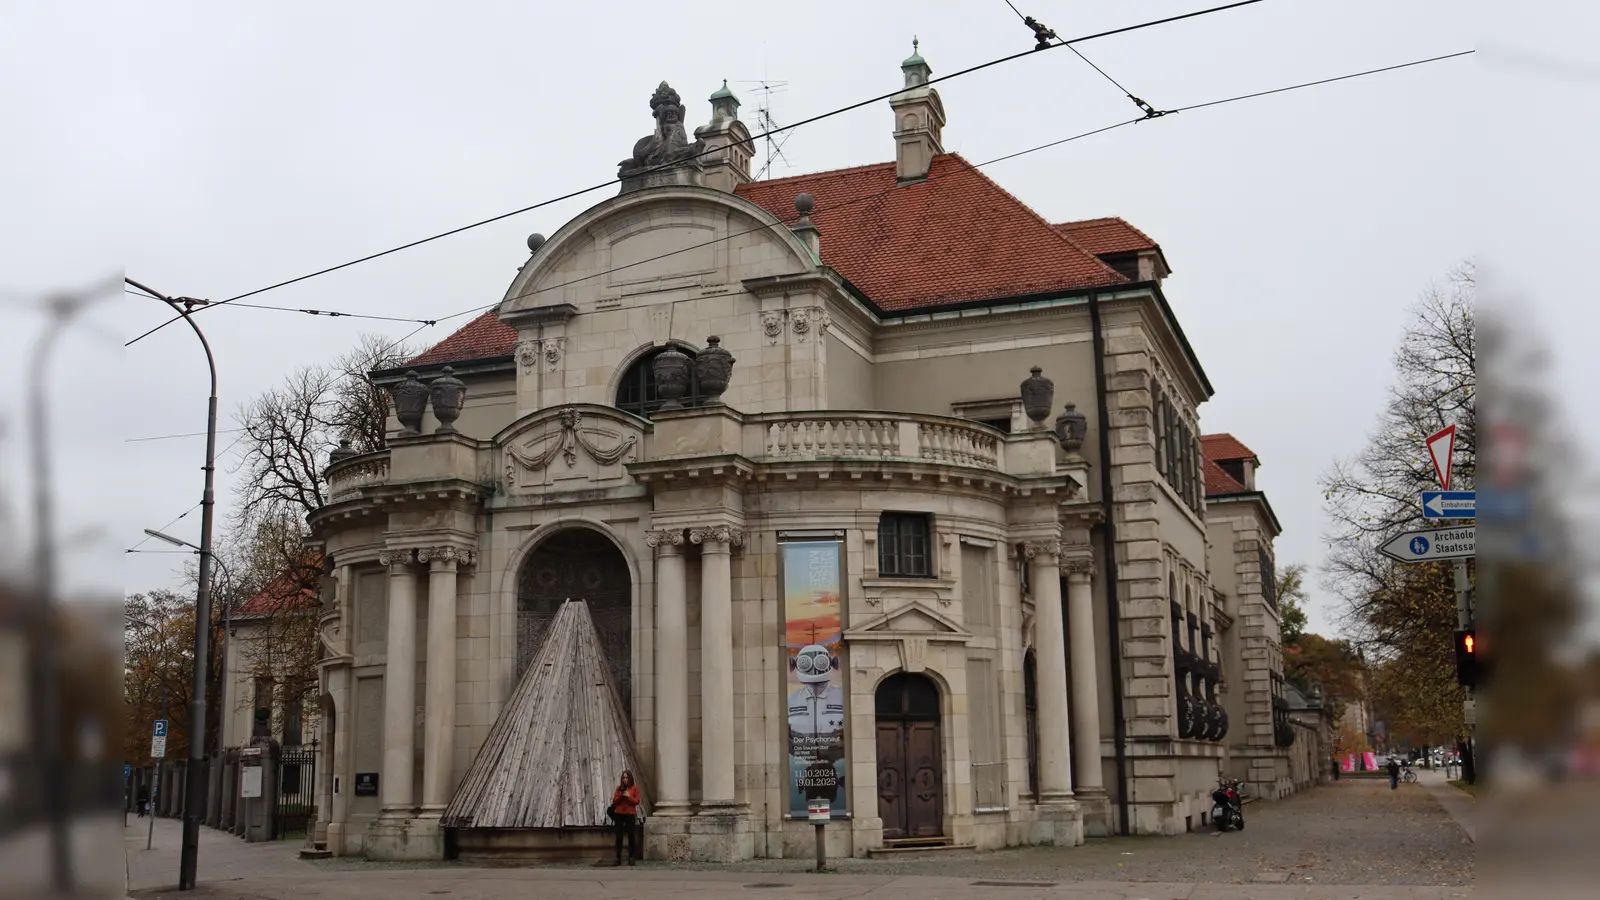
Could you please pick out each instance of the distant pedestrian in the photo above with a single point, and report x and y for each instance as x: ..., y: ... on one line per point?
x: 625, y: 814
x: 143, y: 801
x: 1394, y: 773
x: 1337, y: 769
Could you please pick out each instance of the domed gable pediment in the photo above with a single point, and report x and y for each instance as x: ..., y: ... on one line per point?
x: 652, y: 241
x: 581, y: 445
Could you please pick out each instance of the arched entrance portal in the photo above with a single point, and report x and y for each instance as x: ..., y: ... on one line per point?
x: 578, y: 564
x: 910, y: 765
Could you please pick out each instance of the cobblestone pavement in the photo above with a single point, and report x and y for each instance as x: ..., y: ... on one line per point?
x: 1352, y: 839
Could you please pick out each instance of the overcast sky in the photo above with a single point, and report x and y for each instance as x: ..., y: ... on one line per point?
x: 216, y: 148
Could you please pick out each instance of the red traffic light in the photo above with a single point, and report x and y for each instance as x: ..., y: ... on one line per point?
x: 1466, y: 657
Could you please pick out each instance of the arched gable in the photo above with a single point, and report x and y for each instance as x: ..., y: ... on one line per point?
x: 656, y: 240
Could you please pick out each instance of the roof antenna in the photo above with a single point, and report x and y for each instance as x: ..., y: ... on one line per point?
x: 766, y: 88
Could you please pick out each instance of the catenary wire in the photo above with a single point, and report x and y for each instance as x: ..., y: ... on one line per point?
x: 1295, y: 87
x: 1086, y: 59
x: 187, y: 434
x: 1009, y: 156
x: 817, y: 118
x: 332, y: 314
x: 998, y: 159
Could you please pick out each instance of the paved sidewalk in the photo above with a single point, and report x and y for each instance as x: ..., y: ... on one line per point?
x: 1461, y: 806
x: 223, y: 857
x: 1354, y: 839
x: 95, y: 863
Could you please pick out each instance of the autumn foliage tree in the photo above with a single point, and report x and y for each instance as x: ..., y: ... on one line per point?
x: 1404, y: 616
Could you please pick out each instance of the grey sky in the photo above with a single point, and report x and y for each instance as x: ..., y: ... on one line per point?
x: 216, y: 148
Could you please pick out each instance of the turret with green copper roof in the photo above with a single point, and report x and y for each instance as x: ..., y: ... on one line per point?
x: 916, y: 68
x: 724, y: 105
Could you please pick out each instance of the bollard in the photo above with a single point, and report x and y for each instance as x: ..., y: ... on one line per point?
x: 820, y: 813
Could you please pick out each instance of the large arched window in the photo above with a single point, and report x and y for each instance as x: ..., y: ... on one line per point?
x: 637, y: 391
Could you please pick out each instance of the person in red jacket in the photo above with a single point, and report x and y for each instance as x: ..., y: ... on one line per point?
x: 625, y: 813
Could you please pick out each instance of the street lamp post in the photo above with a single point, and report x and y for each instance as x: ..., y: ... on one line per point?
x: 47, y: 702
x: 194, y: 789
x: 227, y: 627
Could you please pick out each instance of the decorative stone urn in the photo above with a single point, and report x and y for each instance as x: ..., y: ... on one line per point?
x: 447, y: 392
x: 1071, y: 428
x: 713, y: 368
x: 1038, y: 396
x: 671, y: 369
x: 344, y: 452
x: 410, y: 399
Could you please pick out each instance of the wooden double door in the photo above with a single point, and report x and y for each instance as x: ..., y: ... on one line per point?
x: 910, y: 761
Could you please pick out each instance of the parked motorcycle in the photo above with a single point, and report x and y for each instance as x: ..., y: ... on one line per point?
x: 1227, y: 805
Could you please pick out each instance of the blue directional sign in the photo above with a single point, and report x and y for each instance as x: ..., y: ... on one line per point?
x: 160, y: 728
x: 126, y: 770
x: 1449, y: 504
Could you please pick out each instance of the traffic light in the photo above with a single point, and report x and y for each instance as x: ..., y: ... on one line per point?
x: 1466, y: 657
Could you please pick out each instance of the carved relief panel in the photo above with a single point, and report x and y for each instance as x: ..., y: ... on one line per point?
x: 573, y: 445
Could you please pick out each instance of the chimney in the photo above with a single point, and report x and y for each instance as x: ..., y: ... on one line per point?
x: 918, y: 120
x: 727, y: 163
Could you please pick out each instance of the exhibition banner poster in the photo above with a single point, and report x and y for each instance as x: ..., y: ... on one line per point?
x: 813, y: 635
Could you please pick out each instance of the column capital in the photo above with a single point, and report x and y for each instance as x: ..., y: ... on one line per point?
x: 718, y: 534
x: 1045, y: 552
x: 394, y: 557
x: 664, y: 539
x: 1079, y: 566
x: 446, y: 555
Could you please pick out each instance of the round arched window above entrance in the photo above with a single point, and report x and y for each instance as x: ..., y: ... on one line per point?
x: 578, y: 564
x: 637, y: 391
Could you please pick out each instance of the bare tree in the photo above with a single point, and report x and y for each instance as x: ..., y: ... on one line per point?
x: 289, y: 430
x: 1373, y: 496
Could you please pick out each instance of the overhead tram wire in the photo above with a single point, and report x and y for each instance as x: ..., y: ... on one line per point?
x: 885, y: 192
x: 1044, y: 35
x: 332, y: 314
x: 813, y: 119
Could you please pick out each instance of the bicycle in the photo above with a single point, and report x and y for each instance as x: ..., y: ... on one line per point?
x: 1408, y: 776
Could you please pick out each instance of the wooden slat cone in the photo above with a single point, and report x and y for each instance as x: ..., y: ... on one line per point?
x: 553, y: 757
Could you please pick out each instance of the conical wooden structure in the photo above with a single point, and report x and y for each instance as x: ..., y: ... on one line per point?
x: 553, y: 757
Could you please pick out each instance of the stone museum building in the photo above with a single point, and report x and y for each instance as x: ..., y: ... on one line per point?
x: 885, y: 500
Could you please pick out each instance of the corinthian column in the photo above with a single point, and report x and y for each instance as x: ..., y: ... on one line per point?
x: 439, y: 722
x: 1055, y: 753
x: 1085, y: 687
x: 672, y: 674
x: 716, y: 665
x: 399, y: 688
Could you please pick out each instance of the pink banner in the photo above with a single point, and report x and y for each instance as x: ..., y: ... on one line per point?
x: 1370, y: 760
x: 1350, y: 762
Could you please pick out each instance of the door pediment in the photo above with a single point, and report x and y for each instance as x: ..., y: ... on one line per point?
x: 912, y: 627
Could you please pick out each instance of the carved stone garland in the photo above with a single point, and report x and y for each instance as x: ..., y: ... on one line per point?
x: 567, y: 442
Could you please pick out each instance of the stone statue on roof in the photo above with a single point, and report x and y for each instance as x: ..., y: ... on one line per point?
x: 669, y: 145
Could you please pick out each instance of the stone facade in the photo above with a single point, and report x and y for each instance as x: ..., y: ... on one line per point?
x: 841, y: 420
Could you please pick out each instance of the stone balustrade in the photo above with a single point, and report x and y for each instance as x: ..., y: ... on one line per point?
x: 702, y: 433
x: 873, y: 435
x: 347, y: 476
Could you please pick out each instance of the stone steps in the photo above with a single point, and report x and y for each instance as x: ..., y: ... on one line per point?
x: 918, y: 847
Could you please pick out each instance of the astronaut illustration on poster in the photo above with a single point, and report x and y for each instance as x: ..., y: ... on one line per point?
x: 816, y: 701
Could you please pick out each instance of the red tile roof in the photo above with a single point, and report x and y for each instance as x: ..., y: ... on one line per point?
x: 953, y: 238
x: 286, y: 591
x: 482, y: 338
x: 1219, y: 483
x: 1224, y: 448
x: 1107, y: 235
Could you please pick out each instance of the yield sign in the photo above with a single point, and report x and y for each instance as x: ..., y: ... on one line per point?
x: 1441, y: 447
